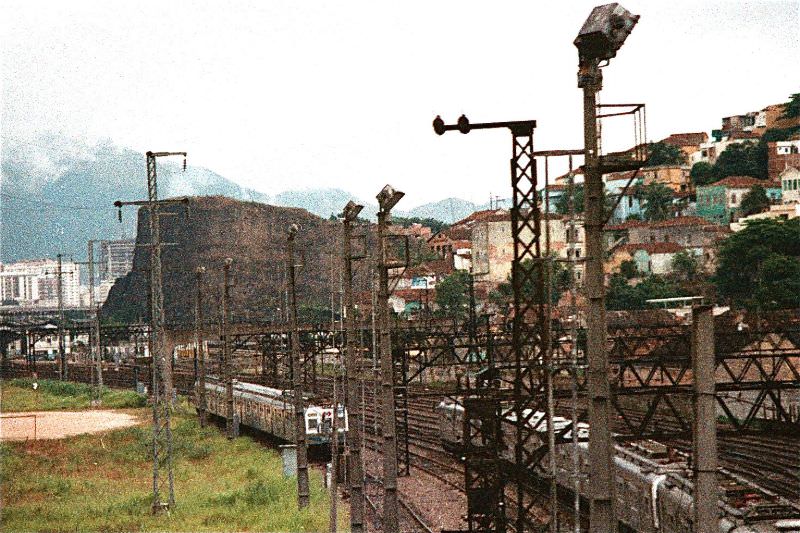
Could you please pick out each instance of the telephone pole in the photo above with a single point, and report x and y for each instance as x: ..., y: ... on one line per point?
x: 200, y: 353
x: 96, y: 350
x: 297, y: 382
x: 352, y: 371
x: 227, y: 364
x: 62, y: 356
x: 387, y: 199
x: 160, y: 361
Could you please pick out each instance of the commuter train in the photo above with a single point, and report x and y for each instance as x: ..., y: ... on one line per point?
x: 272, y: 411
x: 653, y: 493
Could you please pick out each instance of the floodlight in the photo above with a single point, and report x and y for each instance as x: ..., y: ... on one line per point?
x: 388, y: 198
x: 351, y: 211
x: 605, y: 31
x: 293, y: 229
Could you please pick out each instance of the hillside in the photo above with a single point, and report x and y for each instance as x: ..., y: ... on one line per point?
x: 253, y: 235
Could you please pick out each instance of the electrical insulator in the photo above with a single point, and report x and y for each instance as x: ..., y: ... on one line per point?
x: 119, y: 214
x: 184, y: 164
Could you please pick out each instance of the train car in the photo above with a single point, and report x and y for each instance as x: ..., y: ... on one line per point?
x: 653, y: 494
x: 272, y: 411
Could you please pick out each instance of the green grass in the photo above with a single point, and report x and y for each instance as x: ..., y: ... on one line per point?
x: 52, y: 395
x: 103, y: 482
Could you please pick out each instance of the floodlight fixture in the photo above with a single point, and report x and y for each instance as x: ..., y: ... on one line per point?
x: 388, y: 198
x: 293, y: 229
x: 351, y: 211
x: 228, y: 262
x: 604, y: 32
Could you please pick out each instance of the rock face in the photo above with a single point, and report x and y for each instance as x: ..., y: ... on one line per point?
x: 255, y: 236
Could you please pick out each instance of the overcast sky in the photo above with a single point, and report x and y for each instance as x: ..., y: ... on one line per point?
x: 288, y: 95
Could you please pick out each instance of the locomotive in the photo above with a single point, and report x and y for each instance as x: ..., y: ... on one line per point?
x: 653, y: 493
x: 272, y: 411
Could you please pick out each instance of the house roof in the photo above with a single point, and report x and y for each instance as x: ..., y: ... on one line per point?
x: 739, y: 134
x: 681, y: 221
x: 625, y: 225
x: 654, y: 247
x: 686, y: 139
x: 743, y: 182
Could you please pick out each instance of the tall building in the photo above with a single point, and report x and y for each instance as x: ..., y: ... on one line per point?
x: 34, y: 283
x: 116, y: 258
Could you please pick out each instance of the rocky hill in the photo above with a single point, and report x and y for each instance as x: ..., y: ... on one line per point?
x: 254, y: 236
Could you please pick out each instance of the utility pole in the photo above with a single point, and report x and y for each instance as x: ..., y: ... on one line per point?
x: 600, y: 37
x: 96, y: 350
x: 200, y: 353
x: 62, y: 356
x: 227, y: 364
x: 297, y: 382
x: 387, y: 199
x: 354, y: 407
x: 160, y: 361
x: 704, y: 442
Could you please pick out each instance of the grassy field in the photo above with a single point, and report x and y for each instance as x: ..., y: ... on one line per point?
x: 18, y: 395
x: 103, y: 482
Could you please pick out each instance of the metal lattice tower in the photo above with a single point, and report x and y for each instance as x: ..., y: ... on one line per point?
x: 162, y: 392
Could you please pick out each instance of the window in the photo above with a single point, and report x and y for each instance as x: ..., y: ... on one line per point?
x: 577, y: 252
x: 630, y: 201
x: 733, y: 199
x: 666, y: 238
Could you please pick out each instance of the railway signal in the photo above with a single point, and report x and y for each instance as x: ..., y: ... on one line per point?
x: 599, y: 39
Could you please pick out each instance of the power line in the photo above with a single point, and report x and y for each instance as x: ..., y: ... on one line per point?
x: 56, y: 206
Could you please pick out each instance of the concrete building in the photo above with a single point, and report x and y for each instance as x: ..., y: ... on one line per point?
x: 689, y: 143
x: 777, y: 212
x: 720, y: 202
x: 709, y: 151
x: 676, y: 177
x: 653, y: 257
x: 493, y: 244
x: 34, y: 283
x: 790, y: 185
x: 116, y: 258
x: 782, y: 155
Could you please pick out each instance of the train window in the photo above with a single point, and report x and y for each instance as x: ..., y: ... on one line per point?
x: 312, y: 423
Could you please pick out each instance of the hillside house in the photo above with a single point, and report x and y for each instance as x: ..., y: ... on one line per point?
x: 782, y: 155
x: 720, y: 202
x: 790, y: 185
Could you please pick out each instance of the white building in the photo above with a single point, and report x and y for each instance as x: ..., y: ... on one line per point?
x: 34, y: 283
x: 790, y: 185
x: 116, y: 258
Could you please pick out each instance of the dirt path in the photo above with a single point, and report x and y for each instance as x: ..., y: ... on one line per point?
x: 59, y: 424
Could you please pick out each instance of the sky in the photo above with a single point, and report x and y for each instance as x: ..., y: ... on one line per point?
x: 279, y: 95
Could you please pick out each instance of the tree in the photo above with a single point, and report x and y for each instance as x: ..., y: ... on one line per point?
x: 435, y: 225
x: 452, y: 294
x: 702, y: 173
x: 685, y: 266
x: 628, y: 269
x: 791, y: 109
x: 560, y: 278
x: 760, y: 265
x: 741, y: 159
x: 562, y: 202
x: 657, y: 199
x: 755, y: 201
x: 662, y: 153
x: 623, y: 296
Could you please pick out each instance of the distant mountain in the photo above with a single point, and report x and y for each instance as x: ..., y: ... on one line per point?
x: 448, y: 210
x: 56, y: 193
x: 323, y: 202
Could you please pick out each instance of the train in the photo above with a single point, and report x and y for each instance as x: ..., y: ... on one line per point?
x: 271, y: 411
x: 652, y: 490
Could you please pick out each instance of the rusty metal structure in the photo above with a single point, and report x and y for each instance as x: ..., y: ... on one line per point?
x: 303, y: 494
x: 162, y: 389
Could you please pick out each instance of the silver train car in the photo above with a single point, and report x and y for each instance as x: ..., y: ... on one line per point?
x: 272, y: 411
x: 652, y: 497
